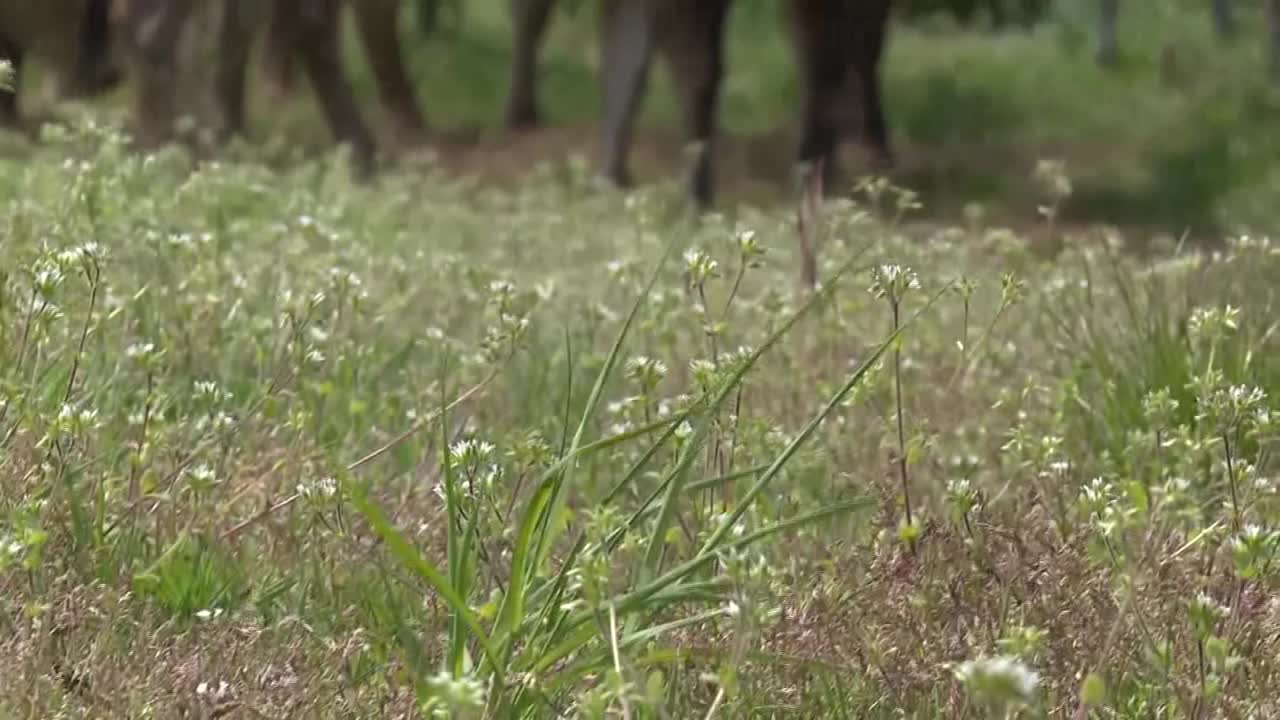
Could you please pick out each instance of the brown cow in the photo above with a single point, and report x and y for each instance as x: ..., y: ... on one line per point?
x: 529, y: 18
x: 308, y: 28
x: 68, y: 36
x: 376, y: 23
x: 838, y: 43
x: 691, y: 35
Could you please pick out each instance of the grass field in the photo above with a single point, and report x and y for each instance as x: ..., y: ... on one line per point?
x: 274, y: 444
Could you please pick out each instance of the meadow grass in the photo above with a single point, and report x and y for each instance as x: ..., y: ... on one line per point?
x: 274, y: 444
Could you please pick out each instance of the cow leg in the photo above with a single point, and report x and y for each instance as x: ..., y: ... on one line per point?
x: 95, y: 70
x: 530, y: 18
x: 871, y: 22
x: 1224, y: 22
x: 824, y: 63
x: 628, y: 50
x: 379, y: 31
x: 1108, y: 52
x: 153, y: 30
x: 9, y: 100
x: 316, y: 42
x: 234, y: 41
x: 1273, y: 38
x: 693, y: 40
x: 278, y: 53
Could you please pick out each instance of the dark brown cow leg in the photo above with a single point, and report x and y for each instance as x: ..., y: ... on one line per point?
x: 316, y: 42
x: 234, y: 41
x: 95, y: 71
x: 693, y: 39
x: 153, y: 29
x: 871, y: 20
x: 628, y: 41
x: 277, y: 56
x: 379, y: 31
x: 530, y: 18
x: 819, y: 28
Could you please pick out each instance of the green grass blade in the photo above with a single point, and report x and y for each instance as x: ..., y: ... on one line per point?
x: 414, y: 561
x: 676, y: 480
x: 665, y: 587
x: 794, y: 446
x: 537, y: 531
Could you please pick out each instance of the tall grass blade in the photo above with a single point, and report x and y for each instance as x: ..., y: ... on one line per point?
x: 423, y: 568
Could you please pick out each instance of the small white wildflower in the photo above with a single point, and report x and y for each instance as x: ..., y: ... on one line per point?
x: 684, y: 430
x: 893, y: 281
x: 470, y: 452
x: 214, y: 693
x: 1002, y: 679
x: 322, y: 488
x: 746, y: 240
x: 201, y: 477
x: 140, y: 351
x: 699, y: 265
x: 46, y: 278
x: 453, y: 696
x: 703, y: 370
x: 70, y: 256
